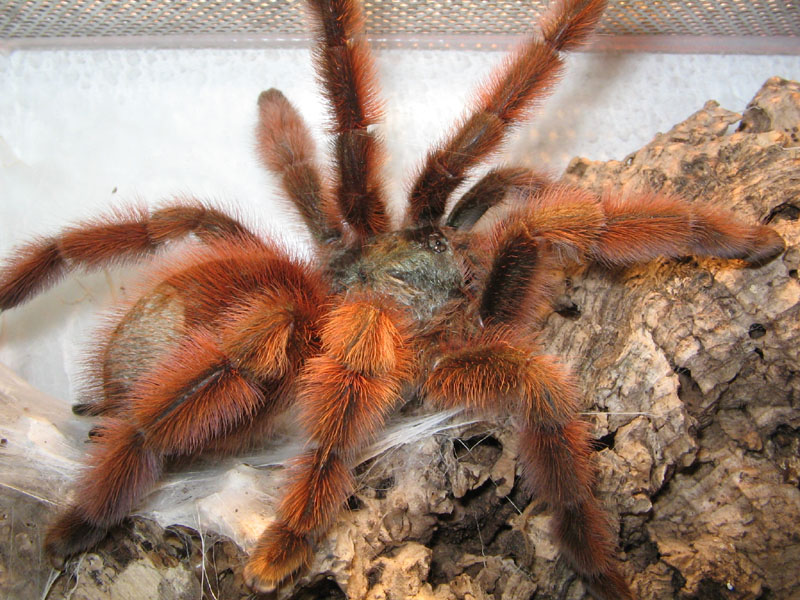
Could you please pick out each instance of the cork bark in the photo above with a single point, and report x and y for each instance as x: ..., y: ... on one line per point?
x: 690, y: 372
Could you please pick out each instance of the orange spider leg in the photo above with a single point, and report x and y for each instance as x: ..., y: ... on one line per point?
x: 512, y: 90
x: 199, y: 393
x: 495, y: 375
x: 124, y: 236
x: 640, y: 228
x: 490, y: 190
x: 345, y: 395
x: 561, y: 224
x: 345, y: 67
x: 195, y: 396
x: 637, y: 228
x: 530, y: 247
x: 523, y: 279
x: 286, y: 148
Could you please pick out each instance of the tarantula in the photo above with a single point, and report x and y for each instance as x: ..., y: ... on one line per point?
x: 234, y: 330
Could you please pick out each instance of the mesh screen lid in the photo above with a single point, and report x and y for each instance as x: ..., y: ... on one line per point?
x: 773, y: 25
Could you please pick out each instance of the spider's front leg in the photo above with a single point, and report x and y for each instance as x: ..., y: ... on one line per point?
x: 122, y: 237
x: 499, y: 374
x: 345, y: 394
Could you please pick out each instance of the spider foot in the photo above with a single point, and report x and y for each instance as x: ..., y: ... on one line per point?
x: 70, y: 534
x: 280, y: 553
x: 768, y: 247
x: 609, y: 586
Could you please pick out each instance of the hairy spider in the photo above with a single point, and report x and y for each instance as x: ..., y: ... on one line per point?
x: 235, y: 330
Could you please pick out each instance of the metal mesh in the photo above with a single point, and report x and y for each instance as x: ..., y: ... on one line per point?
x: 126, y: 18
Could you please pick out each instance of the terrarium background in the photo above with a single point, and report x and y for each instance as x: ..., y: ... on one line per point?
x: 42, y: 19
x: 108, y: 104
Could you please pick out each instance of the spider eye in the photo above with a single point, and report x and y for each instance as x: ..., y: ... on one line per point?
x: 437, y: 242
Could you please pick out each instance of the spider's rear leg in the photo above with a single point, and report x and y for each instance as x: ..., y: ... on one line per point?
x: 209, y: 387
x: 345, y: 394
x: 497, y: 374
x: 124, y: 236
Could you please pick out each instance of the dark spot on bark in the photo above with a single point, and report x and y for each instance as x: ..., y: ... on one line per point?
x: 374, y: 575
x: 786, y: 210
x: 607, y: 441
x: 712, y: 590
x: 677, y: 580
x: 383, y: 486
x: 354, y: 503
x: 569, y: 311
x: 479, y: 449
x: 577, y: 168
x: 755, y: 120
x: 327, y: 589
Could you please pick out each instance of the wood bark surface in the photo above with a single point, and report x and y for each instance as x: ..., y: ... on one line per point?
x: 690, y: 373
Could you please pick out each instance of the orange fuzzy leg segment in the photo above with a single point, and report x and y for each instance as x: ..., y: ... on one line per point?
x: 523, y: 277
x: 347, y: 391
x: 640, y: 228
x: 341, y: 409
x: 528, y: 74
x: 492, y: 375
x: 318, y: 481
x: 344, y: 396
x: 195, y: 396
x: 643, y: 227
x: 38, y: 265
x: 31, y: 269
x: 279, y: 554
x: 181, y: 218
x: 286, y: 148
x: 716, y: 232
x: 570, y: 218
x: 345, y: 66
x: 359, y: 190
x: 568, y: 24
x: 365, y: 338
x: 556, y: 462
x: 122, y: 237
x: 119, y: 238
x: 556, y: 465
x: 272, y: 334
x: 122, y: 468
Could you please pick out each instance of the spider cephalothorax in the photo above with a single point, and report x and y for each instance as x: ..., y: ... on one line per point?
x: 422, y: 268
x: 233, y: 330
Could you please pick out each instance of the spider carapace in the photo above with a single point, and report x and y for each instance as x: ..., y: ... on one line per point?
x: 232, y: 329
